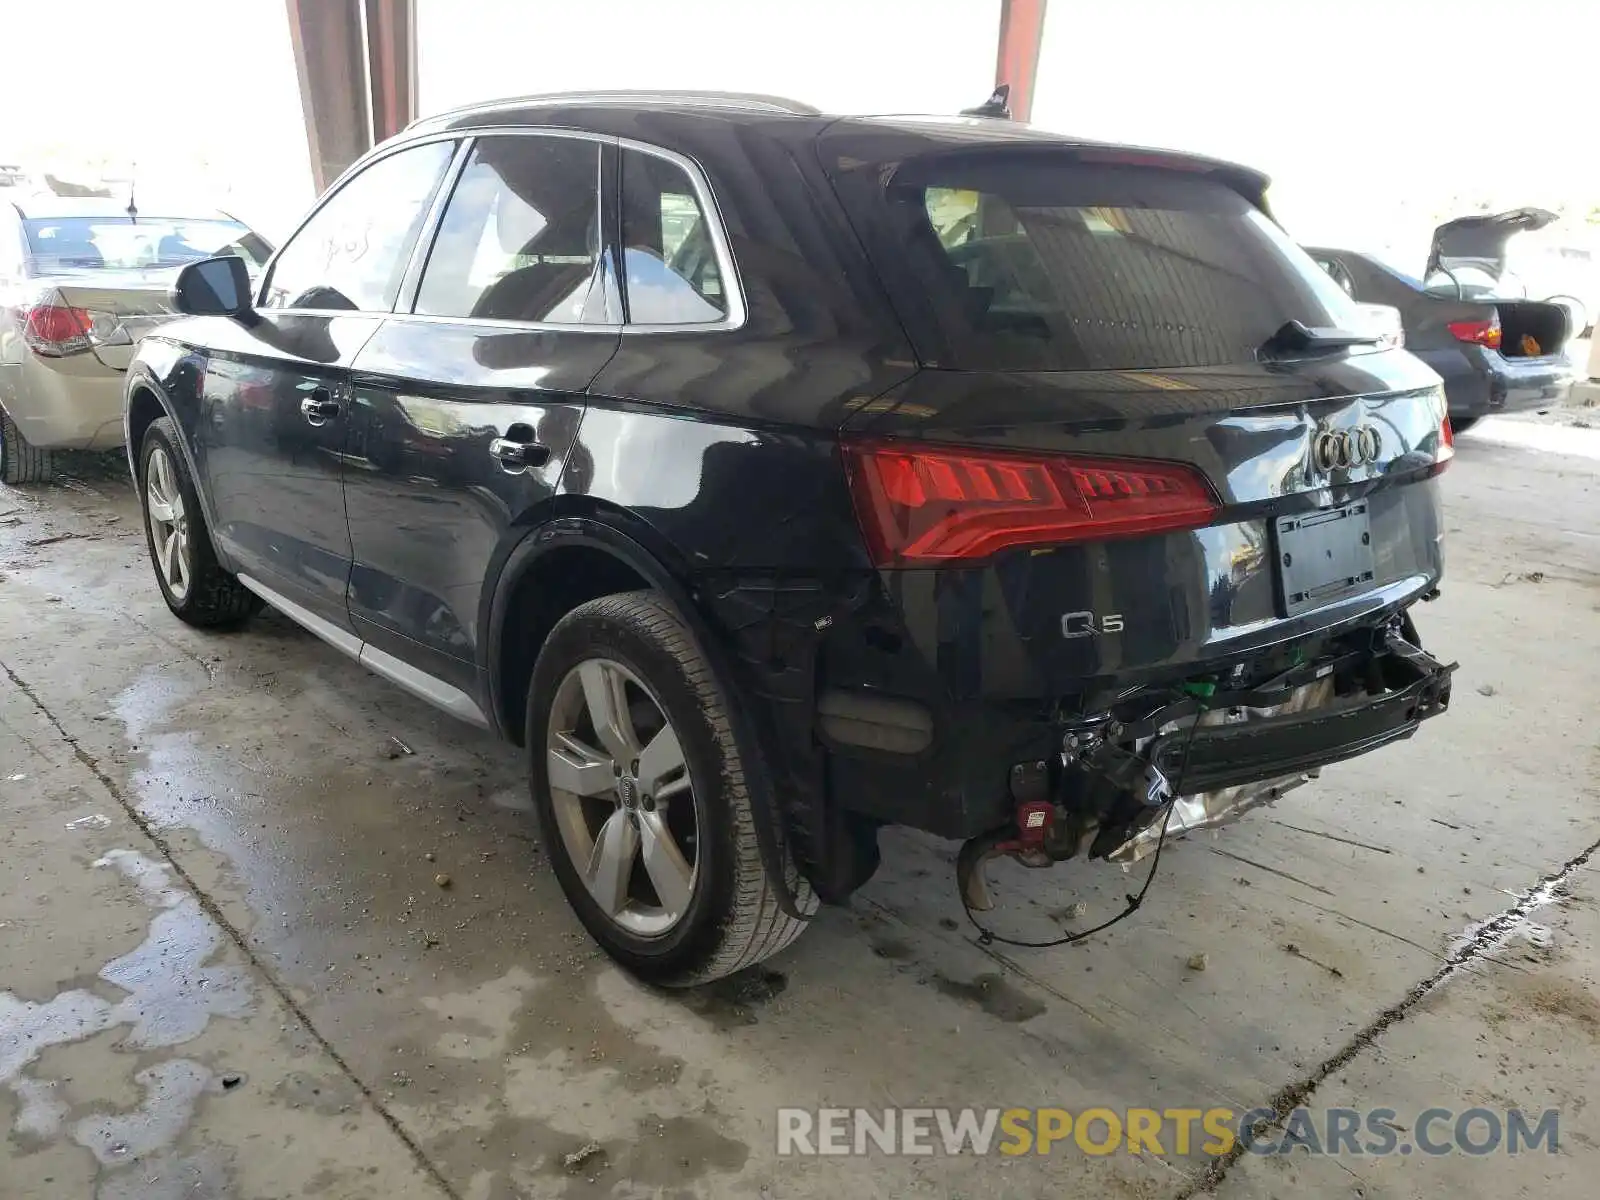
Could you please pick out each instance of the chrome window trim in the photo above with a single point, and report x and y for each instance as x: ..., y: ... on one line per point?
x: 738, y: 310
x: 508, y: 324
x: 411, y: 278
x: 733, y: 285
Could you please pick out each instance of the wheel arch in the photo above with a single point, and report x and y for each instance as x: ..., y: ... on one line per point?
x: 144, y: 403
x: 567, y: 560
x: 519, y: 618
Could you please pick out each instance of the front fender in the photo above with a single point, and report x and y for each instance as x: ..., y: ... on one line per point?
x: 142, y: 377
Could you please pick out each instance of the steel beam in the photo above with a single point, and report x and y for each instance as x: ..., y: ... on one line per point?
x: 357, y: 64
x: 1017, y: 61
x: 330, y: 59
x: 392, y: 65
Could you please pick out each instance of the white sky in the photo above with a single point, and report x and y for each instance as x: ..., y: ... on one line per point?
x: 1371, y: 114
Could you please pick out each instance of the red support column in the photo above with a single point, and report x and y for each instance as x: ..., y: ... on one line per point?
x: 330, y: 59
x: 1017, y: 63
x: 392, y: 65
x: 357, y: 63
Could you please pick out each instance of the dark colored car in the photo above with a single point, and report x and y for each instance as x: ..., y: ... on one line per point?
x: 774, y: 477
x: 1496, y: 353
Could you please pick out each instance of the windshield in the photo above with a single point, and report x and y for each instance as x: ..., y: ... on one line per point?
x: 1057, y: 265
x: 124, y: 244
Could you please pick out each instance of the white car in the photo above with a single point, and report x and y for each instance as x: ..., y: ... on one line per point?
x: 81, y: 281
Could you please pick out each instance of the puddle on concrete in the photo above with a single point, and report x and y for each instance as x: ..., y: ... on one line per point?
x: 1517, y: 925
x: 171, y: 994
x: 171, y: 1090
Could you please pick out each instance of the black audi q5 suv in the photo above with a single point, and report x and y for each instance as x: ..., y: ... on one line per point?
x: 773, y: 477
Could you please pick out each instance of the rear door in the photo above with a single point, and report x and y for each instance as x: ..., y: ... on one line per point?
x: 466, y: 407
x: 276, y: 394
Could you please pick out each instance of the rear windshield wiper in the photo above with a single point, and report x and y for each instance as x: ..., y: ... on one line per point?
x: 1294, y: 338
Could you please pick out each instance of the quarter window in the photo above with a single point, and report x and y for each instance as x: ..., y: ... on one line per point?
x: 673, y: 276
x: 352, y: 253
x: 520, y: 238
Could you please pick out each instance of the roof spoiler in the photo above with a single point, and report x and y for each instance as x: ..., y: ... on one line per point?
x: 997, y: 105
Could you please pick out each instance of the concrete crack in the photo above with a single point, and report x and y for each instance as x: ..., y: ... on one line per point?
x: 1489, y: 936
x: 211, y: 909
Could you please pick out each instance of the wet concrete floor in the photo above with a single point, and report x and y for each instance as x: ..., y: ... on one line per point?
x: 227, y: 969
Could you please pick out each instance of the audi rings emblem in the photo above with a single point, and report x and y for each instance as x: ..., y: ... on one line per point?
x: 1342, y: 449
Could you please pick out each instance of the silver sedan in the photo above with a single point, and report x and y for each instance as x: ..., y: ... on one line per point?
x: 81, y: 281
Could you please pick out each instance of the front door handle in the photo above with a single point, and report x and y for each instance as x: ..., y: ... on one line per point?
x: 320, y: 407
x: 516, y: 457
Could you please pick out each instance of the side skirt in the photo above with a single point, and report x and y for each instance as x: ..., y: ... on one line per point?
x: 420, y: 684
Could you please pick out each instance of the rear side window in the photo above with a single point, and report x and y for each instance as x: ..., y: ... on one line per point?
x: 352, y: 253
x: 1049, y: 264
x: 520, y: 237
x: 670, y: 258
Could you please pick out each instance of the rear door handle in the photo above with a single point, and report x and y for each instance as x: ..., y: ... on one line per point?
x: 516, y: 457
x: 320, y: 407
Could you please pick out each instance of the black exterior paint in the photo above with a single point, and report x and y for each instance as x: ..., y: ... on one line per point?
x: 429, y: 506
x: 709, y: 460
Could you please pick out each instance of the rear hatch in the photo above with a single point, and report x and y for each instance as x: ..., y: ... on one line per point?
x: 1116, y: 423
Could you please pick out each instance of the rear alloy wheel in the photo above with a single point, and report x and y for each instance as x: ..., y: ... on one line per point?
x: 20, y: 462
x: 642, y: 789
x: 192, y: 582
x: 623, y: 796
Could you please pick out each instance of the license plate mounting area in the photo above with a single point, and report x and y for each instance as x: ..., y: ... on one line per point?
x: 1323, y: 556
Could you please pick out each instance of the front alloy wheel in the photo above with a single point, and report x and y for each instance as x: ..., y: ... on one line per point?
x: 169, y: 525
x: 623, y: 797
x: 193, y: 583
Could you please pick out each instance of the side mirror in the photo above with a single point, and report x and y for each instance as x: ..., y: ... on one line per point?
x: 213, y: 287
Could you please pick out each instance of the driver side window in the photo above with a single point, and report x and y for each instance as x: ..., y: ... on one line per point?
x: 352, y: 253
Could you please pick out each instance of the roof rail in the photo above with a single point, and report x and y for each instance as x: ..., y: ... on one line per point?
x: 693, y: 99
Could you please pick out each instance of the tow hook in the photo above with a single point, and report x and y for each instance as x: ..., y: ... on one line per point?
x: 1024, y: 842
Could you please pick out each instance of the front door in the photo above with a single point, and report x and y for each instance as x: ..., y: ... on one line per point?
x: 277, y: 388
x: 274, y: 398
x: 465, y: 410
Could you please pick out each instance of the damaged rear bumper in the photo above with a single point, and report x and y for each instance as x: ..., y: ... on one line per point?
x: 1233, y: 758
x: 1229, y: 755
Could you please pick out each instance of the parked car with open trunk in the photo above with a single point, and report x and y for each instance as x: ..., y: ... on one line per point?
x: 773, y: 477
x: 1497, y: 350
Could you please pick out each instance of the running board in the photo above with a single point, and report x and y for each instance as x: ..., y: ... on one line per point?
x: 419, y: 683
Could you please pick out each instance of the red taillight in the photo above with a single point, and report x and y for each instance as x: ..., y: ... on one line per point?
x: 1482, y: 333
x: 55, y: 330
x: 922, y: 505
x: 1447, y: 446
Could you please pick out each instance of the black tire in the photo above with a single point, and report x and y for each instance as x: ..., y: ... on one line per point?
x: 214, y: 599
x: 19, y: 461
x: 733, y: 919
x: 1462, y: 424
